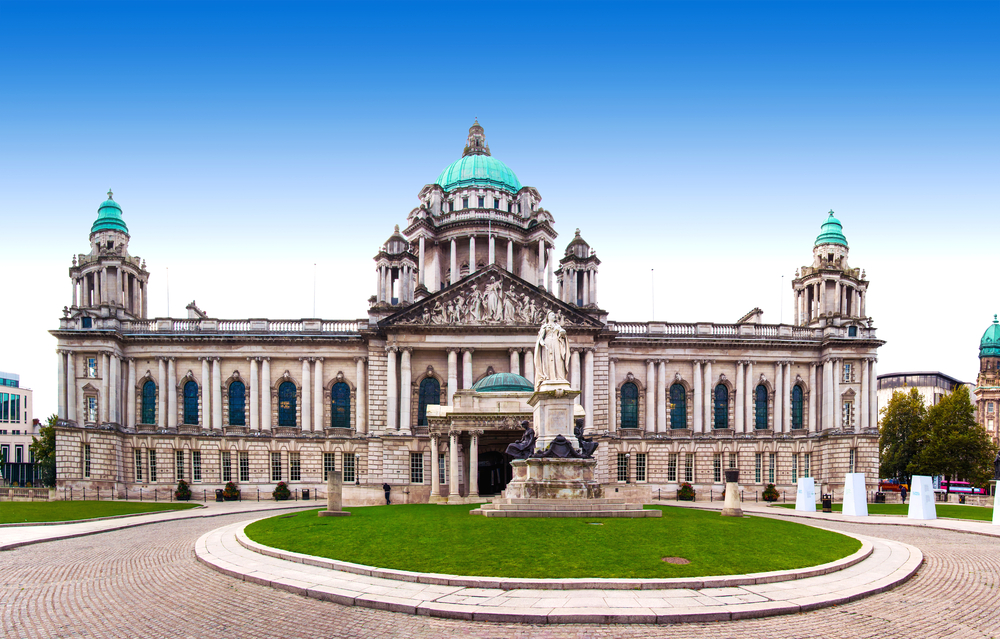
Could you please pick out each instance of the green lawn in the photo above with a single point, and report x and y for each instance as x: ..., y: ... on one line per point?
x: 945, y: 511
x: 447, y: 539
x: 12, y: 512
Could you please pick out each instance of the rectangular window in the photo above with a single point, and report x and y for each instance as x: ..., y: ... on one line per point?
x: 510, y: 207
x: 847, y: 372
x: 770, y: 467
x: 294, y: 467
x: 195, y: 465
x: 441, y: 469
x: 18, y: 454
x: 734, y: 461
x: 717, y: 468
x: 151, y: 454
x: 86, y: 460
x: 806, y: 470
x: 275, y: 466
x: 329, y: 465
x: 138, y: 464
x: 672, y: 467
x: 496, y: 203
x: 689, y: 467
x: 349, y: 461
x: 852, y: 460
x: 989, y: 407
x: 482, y: 201
x: 622, y: 467
x: 847, y: 413
x: 416, y: 468
x: 795, y: 468
x: 4, y: 453
x: 244, y: 466
x: 640, y: 467
x: 757, y: 467
x: 91, y: 367
x: 91, y: 409
x: 5, y: 407
x: 465, y: 202
x: 179, y: 464
x: 227, y: 466
x: 451, y: 206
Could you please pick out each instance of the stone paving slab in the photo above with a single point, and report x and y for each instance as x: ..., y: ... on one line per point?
x: 886, y: 565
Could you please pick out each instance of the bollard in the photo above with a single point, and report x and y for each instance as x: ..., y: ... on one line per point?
x: 84, y: 494
x: 140, y: 494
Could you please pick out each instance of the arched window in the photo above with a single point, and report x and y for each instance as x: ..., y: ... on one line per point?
x: 191, y: 402
x: 430, y: 393
x: 340, y: 405
x: 237, y: 404
x: 721, y: 406
x: 286, y: 404
x: 760, y: 414
x: 149, y: 402
x: 796, y: 406
x: 630, y: 405
x: 678, y: 406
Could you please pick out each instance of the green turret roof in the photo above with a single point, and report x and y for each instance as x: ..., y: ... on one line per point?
x: 503, y: 383
x: 479, y: 170
x: 832, y: 232
x: 109, y: 216
x: 989, y: 346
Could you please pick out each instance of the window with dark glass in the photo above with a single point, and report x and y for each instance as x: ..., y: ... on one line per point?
x: 721, y: 406
x: 451, y: 206
x: 191, y: 402
x: 430, y: 393
x: 465, y: 202
x: 482, y: 201
x: 796, y: 406
x: 340, y: 405
x: 149, y: 402
x: 678, y: 406
x: 237, y: 404
x: 496, y: 203
x: 630, y: 405
x: 760, y: 413
x: 286, y: 404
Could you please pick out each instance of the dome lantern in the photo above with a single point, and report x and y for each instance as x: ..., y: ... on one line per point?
x: 989, y: 345
x: 109, y: 216
x: 832, y: 232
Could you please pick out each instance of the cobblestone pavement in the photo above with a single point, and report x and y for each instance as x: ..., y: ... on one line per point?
x: 146, y: 582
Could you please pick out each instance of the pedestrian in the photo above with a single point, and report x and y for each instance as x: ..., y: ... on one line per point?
x: 386, y: 488
x: 902, y: 492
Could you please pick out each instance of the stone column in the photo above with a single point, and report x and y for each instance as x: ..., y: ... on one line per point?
x: 76, y: 284
x: 61, y: 381
x: 472, y: 254
x: 474, y: 463
x: 306, y: 395
x: 787, y: 399
x: 254, y: 395
x: 452, y: 375
x: 650, y: 395
x: 405, y: 392
x: 161, y: 392
x: 779, y: 406
x: 586, y: 288
x: 171, y: 393
x: 574, y: 372
x: 454, y: 490
x: 378, y: 284
x: 114, y: 384
x: 541, y: 263
x: 836, y: 299
x: 828, y: 421
x: 216, y: 392
x: 588, y: 383
x: 873, y: 396
x: 751, y: 387
x: 360, y: 421
x: 318, y: 399
x: 863, y: 412
x: 206, y: 394
x: 696, y: 410
x: 102, y: 406
x: 130, y: 395
x: 392, y: 390
x: 593, y: 288
x: 466, y: 368
x: 71, y: 413
x: 492, y: 252
x: 435, y: 475
x: 529, y: 365
x: 510, y: 256
x: 454, y: 263
x: 548, y: 275
x: 661, y: 397
x: 515, y: 360
x: 707, y: 401
x: 612, y: 396
x: 838, y: 419
x: 421, y: 261
x: 739, y: 412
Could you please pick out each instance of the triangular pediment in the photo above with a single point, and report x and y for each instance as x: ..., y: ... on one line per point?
x: 490, y: 298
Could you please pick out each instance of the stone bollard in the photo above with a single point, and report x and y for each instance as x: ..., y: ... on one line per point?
x: 731, y: 507
x: 334, y: 499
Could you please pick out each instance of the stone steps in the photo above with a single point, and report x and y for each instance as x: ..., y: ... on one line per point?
x: 595, y: 508
x: 589, y: 513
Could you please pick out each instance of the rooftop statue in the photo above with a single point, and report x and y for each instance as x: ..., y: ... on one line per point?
x: 551, y: 352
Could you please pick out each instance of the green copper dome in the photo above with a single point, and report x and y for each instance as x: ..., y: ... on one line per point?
x: 831, y: 232
x: 989, y: 346
x: 503, y: 383
x: 479, y: 170
x: 109, y: 216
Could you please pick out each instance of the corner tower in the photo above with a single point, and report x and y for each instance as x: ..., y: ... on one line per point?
x: 577, y: 274
x: 987, y: 390
x: 829, y: 292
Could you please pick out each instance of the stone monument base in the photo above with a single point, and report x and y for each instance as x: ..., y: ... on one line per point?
x: 333, y: 513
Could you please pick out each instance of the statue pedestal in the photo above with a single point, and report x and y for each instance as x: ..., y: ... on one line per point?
x: 334, y: 496
x: 732, y: 507
x: 553, y: 479
x: 554, y: 411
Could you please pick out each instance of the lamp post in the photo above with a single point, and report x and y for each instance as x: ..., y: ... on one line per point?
x: 628, y: 468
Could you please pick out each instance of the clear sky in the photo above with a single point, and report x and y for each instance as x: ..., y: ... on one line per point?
x: 698, y: 146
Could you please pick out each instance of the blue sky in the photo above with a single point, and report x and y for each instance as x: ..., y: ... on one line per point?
x: 248, y: 141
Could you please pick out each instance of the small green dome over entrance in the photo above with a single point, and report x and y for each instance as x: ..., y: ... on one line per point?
x: 479, y: 170
x: 109, y: 216
x: 832, y: 232
x: 989, y: 346
x: 503, y: 383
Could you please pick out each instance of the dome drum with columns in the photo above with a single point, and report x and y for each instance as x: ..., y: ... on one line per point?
x: 428, y: 390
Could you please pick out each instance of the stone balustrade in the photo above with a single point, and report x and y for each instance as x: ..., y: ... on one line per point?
x: 646, y: 330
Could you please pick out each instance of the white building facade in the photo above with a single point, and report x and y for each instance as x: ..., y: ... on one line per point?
x: 17, y: 425
x: 459, y: 295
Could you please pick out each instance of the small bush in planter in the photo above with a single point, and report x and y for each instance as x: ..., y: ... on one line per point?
x: 686, y: 492
x: 230, y: 492
x: 281, y: 492
x: 770, y: 493
x: 183, y: 492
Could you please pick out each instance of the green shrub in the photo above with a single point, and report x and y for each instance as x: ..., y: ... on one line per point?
x: 230, y: 492
x: 770, y: 493
x: 686, y: 492
x: 281, y: 492
x: 183, y: 492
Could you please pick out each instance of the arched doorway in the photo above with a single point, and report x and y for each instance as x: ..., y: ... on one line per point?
x: 494, y: 472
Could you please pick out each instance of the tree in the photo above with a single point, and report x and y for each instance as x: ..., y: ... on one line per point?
x: 901, y: 433
x: 44, y: 450
x: 956, y: 447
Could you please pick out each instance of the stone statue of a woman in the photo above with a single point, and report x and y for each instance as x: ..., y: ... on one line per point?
x: 551, y: 352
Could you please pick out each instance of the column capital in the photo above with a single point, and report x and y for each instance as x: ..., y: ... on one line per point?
x: 613, y: 360
x: 406, y: 349
x: 391, y: 349
x: 468, y: 349
x: 476, y: 433
x: 651, y: 361
x: 454, y: 434
x: 264, y: 359
x: 318, y: 359
x: 361, y: 358
x: 513, y: 350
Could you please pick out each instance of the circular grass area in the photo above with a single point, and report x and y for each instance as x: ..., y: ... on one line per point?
x: 448, y: 540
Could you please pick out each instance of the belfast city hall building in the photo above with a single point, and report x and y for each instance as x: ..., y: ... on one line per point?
x: 428, y: 390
